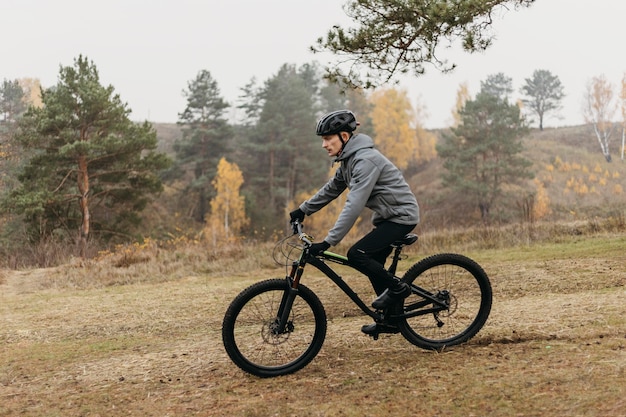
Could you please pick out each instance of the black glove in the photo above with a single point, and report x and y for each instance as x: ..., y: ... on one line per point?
x: 318, y: 248
x: 297, y: 214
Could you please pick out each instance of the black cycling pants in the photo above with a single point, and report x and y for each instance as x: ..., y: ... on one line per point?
x: 369, y: 254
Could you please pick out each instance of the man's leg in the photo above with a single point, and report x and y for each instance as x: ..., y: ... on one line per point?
x: 368, y: 255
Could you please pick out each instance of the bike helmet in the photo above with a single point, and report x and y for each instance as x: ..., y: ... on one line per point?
x: 335, y: 122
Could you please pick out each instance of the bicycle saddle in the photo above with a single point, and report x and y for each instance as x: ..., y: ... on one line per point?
x: 409, y: 239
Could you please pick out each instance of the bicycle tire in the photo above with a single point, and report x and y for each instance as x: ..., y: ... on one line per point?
x: 255, y: 348
x: 469, y: 293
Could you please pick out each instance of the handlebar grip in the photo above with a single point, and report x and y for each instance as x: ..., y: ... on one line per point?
x: 295, y: 227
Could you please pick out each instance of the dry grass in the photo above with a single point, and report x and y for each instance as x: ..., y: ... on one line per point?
x: 146, y: 341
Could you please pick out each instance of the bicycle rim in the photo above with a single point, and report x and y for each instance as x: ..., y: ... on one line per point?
x: 464, y: 285
x: 255, y: 345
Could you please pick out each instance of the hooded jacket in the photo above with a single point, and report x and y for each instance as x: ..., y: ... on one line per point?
x: 374, y: 182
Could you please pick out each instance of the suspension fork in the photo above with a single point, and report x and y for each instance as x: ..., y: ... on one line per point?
x: 293, y: 279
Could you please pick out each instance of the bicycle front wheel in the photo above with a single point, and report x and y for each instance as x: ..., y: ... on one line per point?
x: 456, y: 281
x: 256, y: 344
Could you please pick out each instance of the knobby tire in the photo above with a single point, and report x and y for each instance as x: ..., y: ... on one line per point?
x: 468, y: 290
x: 255, y: 345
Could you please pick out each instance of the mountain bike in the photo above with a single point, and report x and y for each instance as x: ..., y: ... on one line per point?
x: 277, y: 326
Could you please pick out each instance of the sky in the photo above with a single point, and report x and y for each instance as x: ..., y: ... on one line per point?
x: 150, y: 50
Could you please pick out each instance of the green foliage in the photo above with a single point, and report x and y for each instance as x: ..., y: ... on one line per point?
x: 91, y: 167
x: 544, y: 93
x: 498, y: 85
x: 483, y: 154
x: 11, y: 100
x: 11, y: 108
x: 283, y: 155
x: 206, y: 139
x: 395, y: 37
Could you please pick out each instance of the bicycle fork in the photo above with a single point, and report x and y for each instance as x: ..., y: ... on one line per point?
x: 286, y: 302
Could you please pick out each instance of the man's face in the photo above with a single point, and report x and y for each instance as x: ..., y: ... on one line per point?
x: 332, y: 144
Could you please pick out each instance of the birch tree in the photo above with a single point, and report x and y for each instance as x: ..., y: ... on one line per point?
x: 598, y: 110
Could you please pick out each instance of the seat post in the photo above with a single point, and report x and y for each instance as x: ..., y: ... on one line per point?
x: 396, y: 257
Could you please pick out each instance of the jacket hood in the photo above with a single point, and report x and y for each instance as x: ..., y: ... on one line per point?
x: 356, y: 142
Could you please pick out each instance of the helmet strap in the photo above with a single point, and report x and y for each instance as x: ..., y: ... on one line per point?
x: 343, y: 142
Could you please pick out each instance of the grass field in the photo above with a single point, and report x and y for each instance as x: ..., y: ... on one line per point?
x: 554, y: 345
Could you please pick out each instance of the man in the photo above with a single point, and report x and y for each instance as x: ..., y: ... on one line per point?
x: 376, y: 183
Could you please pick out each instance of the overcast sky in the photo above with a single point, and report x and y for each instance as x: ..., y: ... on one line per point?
x: 150, y: 50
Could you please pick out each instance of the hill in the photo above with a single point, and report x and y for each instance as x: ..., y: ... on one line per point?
x: 578, y: 182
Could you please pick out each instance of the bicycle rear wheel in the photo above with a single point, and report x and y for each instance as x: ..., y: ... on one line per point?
x: 457, y: 281
x: 253, y: 340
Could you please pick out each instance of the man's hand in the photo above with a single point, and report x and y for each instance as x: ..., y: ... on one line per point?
x: 297, y: 214
x: 318, y: 248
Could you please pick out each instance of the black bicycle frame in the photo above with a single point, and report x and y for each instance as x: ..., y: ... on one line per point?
x: 297, y: 269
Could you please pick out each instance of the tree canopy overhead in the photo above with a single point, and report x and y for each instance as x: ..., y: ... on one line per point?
x: 397, y: 36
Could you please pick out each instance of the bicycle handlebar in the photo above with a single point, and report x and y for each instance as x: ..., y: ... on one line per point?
x: 299, y: 230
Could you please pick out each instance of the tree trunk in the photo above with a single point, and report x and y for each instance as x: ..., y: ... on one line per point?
x: 271, y: 180
x: 603, y: 139
x: 83, y: 190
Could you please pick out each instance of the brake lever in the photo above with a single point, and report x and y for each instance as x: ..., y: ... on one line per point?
x: 297, y: 230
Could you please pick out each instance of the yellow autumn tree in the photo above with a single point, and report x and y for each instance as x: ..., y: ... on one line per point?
x: 462, y: 97
x: 541, y: 204
x: 391, y: 120
x: 228, y: 215
x: 32, y: 91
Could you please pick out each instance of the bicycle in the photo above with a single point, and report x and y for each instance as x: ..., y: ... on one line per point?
x: 277, y: 326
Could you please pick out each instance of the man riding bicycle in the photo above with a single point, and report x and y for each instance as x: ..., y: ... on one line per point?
x: 376, y: 183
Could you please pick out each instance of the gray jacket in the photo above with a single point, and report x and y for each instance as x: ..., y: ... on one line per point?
x: 373, y: 181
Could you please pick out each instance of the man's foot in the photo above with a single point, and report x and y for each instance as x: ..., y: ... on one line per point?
x: 376, y: 328
x: 399, y: 291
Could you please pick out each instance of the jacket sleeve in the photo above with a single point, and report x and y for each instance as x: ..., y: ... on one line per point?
x: 364, y: 178
x: 331, y: 190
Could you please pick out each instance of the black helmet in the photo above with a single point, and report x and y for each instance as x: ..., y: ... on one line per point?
x: 335, y: 122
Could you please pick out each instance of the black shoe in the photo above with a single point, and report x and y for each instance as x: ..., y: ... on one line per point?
x: 375, y: 329
x: 399, y: 291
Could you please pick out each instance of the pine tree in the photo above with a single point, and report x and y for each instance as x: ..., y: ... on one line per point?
x: 391, y: 38
x: 206, y: 138
x: 93, y: 169
x: 483, y: 153
x: 284, y: 155
x: 11, y: 108
x: 544, y: 92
